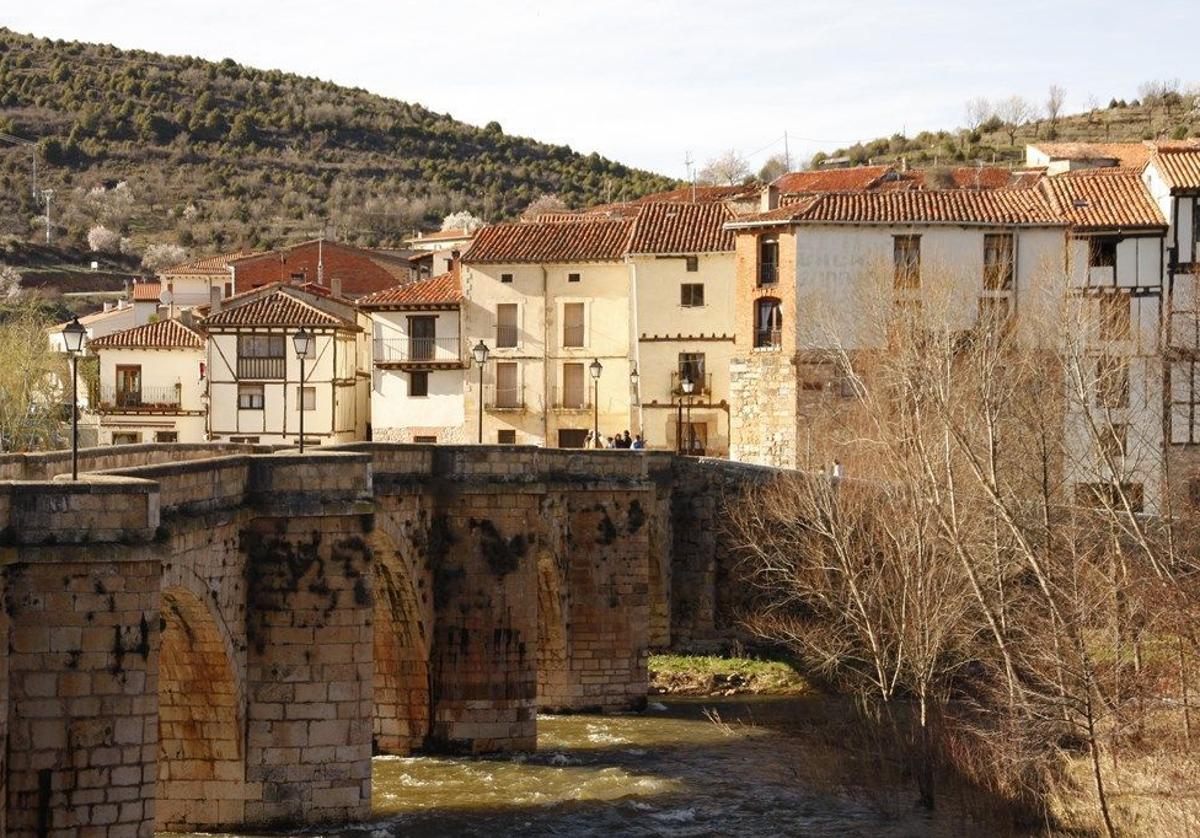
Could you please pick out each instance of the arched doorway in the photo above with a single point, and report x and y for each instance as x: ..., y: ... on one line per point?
x: 201, y: 764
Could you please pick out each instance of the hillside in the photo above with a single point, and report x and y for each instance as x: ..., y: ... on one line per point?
x: 216, y: 155
x: 1172, y: 116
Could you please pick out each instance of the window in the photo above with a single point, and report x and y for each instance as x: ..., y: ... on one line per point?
x: 506, y: 437
x: 574, y: 393
x: 691, y: 263
x: 261, y: 356
x: 166, y: 436
x: 1106, y: 495
x: 572, y: 277
x: 506, y: 325
x: 1112, y: 382
x: 307, y: 397
x: 425, y: 440
x: 998, y: 261
x: 1185, y: 399
x: 418, y: 384
x: 1102, y: 252
x: 228, y: 289
x: 993, y: 311
x: 572, y: 324
x: 506, y: 279
x: 572, y: 437
x: 906, y: 257
x: 691, y: 368
x: 129, y: 385
x: 768, y: 260
x: 508, y: 390
x: 422, y: 337
x: 250, y: 397
x: 1115, y: 316
x: 768, y: 323
x: 691, y: 294
x: 1112, y: 441
x: 126, y: 438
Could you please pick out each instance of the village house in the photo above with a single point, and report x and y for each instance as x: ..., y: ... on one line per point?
x: 151, y: 385
x: 344, y: 270
x: 194, y: 283
x: 255, y: 390
x: 417, y: 361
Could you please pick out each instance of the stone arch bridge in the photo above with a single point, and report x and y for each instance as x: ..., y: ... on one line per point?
x: 213, y: 636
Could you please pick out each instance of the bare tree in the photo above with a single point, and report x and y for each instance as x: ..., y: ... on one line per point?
x: 543, y: 204
x: 727, y: 169
x: 462, y: 220
x: 30, y: 381
x: 978, y: 110
x: 1014, y: 112
x: 1054, y: 103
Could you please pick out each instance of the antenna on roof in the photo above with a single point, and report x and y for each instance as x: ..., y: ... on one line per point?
x: 321, y: 256
x: 787, y: 157
x: 687, y: 163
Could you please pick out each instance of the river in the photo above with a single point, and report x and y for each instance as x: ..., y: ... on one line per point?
x: 753, y: 766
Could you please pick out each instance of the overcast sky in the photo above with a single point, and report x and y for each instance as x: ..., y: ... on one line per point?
x: 646, y: 82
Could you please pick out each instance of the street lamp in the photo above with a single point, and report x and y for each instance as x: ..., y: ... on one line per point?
x: 688, y: 386
x: 73, y: 337
x: 481, y: 353
x: 634, y: 378
x: 595, y: 369
x: 302, y: 341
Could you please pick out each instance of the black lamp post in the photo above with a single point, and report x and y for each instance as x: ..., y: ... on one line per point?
x: 73, y: 337
x: 688, y: 386
x: 595, y: 369
x: 634, y: 377
x: 302, y: 341
x: 481, y: 353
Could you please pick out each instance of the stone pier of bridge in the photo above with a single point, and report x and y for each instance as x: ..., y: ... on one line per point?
x: 210, y: 637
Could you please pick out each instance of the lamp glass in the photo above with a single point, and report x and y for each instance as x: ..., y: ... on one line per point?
x: 481, y: 353
x: 301, y: 341
x: 688, y: 386
x: 73, y: 336
x: 596, y: 368
x: 633, y: 377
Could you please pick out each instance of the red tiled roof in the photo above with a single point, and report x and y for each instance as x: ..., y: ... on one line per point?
x: 278, y: 307
x: 1107, y: 198
x: 1001, y: 207
x: 959, y: 177
x: 1131, y: 155
x: 444, y: 289
x: 163, y: 334
x: 207, y: 264
x: 681, y: 228
x: 700, y: 195
x: 438, y: 235
x: 830, y: 180
x: 146, y: 292
x: 1179, y: 165
x: 575, y: 241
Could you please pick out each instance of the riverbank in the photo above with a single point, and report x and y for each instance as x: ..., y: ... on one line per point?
x: 712, y: 675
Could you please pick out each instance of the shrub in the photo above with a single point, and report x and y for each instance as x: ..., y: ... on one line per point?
x: 100, y: 239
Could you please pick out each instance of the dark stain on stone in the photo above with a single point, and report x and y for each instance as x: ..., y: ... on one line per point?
x: 502, y: 555
x: 637, y: 516
x: 608, y: 530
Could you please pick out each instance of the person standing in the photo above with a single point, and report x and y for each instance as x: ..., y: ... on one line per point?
x: 639, y: 444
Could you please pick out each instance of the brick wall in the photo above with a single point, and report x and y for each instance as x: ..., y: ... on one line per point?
x: 358, y: 272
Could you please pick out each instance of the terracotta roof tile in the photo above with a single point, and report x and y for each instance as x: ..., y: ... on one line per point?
x: 575, y: 241
x: 959, y: 177
x: 830, y: 180
x: 1131, y: 155
x: 1179, y: 165
x: 439, y: 235
x: 146, y: 292
x: 443, y: 289
x: 682, y: 228
x: 207, y: 264
x: 1105, y: 198
x: 1001, y: 207
x: 275, y: 307
x: 701, y: 195
x: 163, y: 334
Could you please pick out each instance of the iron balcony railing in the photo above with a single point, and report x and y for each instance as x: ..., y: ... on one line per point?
x: 147, y: 398
x: 768, y: 338
x: 255, y: 367
x: 418, y: 350
x: 570, y: 398
x: 701, y: 383
x: 504, y: 398
x: 573, y: 335
x: 506, y: 336
x: 768, y: 273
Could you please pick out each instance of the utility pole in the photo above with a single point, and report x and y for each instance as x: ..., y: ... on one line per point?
x: 687, y: 164
x: 787, y: 157
x: 47, y: 195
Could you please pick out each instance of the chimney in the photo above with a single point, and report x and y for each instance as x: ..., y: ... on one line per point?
x: 108, y: 305
x: 214, y: 300
x: 335, y: 285
x: 770, y: 198
x: 904, y: 162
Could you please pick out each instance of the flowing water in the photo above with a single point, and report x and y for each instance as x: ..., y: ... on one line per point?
x: 685, y: 767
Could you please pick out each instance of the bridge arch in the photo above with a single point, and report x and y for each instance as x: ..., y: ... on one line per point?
x: 201, y: 758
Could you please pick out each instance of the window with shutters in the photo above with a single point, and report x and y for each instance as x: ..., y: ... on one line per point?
x: 573, y: 331
x: 418, y: 384
x: 574, y: 391
x: 998, y: 261
x: 506, y: 325
x: 508, y: 387
x: 250, y: 397
x: 906, y: 258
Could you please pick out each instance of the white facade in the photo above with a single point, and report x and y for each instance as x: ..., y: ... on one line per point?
x: 151, y: 395
x: 417, y: 379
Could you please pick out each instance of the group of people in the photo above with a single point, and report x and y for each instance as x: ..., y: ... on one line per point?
x: 598, y: 440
